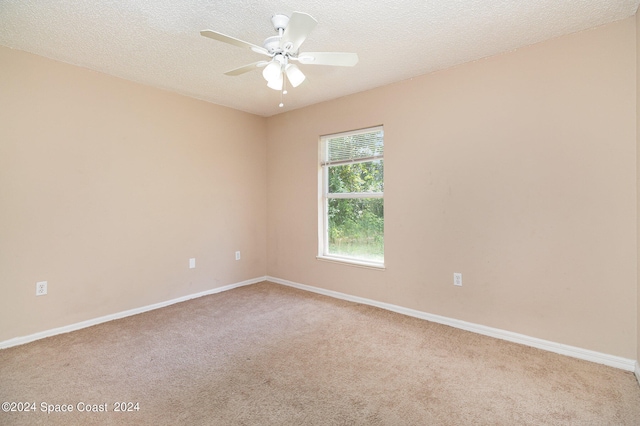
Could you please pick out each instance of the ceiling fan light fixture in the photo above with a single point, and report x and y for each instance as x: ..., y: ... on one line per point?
x: 273, y: 71
x: 295, y: 76
x: 276, y: 83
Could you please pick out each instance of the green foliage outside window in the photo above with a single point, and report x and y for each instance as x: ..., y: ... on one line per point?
x: 356, y: 225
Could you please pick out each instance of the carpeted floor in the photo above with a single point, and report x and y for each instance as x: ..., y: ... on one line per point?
x: 272, y: 355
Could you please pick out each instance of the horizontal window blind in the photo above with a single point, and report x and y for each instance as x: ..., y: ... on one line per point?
x: 356, y: 146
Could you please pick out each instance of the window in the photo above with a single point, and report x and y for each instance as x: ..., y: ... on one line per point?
x: 351, y: 213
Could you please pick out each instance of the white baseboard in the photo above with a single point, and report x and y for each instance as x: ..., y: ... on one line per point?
x: 572, y: 351
x: 77, y: 326
x: 559, y: 348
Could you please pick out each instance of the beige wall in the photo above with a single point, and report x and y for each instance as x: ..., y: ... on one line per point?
x: 638, y: 175
x: 107, y: 188
x: 518, y: 171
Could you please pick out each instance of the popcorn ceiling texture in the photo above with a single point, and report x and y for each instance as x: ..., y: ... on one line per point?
x: 157, y: 43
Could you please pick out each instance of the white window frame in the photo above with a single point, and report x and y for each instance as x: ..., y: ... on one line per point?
x: 324, y: 196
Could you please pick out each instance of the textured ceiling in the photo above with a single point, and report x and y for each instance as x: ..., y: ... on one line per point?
x: 157, y: 42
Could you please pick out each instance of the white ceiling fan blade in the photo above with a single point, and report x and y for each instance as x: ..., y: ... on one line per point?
x: 341, y: 59
x: 246, y: 68
x: 299, y: 27
x: 234, y: 41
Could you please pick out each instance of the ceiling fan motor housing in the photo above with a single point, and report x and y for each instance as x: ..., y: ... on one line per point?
x: 272, y: 44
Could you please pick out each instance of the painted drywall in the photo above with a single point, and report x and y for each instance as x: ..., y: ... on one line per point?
x: 638, y: 180
x: 108, y: 188
x: 519, y: 171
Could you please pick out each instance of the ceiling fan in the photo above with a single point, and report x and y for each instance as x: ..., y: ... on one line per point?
x: 283, y: 50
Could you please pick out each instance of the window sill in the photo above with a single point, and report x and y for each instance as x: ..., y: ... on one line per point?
x: 352, y: 262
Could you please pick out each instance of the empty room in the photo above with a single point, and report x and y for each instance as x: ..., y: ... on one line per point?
x: 322, y: 213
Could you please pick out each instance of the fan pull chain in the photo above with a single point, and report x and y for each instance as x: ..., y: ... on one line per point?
x: 283, y: 92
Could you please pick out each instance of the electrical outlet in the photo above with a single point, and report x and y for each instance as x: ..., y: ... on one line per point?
x: 41, y: 288
x: 192, y: 263
x: 457, y: 279
x: 237, y: 255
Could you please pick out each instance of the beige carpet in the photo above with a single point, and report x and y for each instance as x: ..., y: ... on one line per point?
x: 271, y: 355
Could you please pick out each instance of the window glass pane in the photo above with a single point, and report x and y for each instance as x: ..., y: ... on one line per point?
x: 357, y: 177
x: 356, y: 228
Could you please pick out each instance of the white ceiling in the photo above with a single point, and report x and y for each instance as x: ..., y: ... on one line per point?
x: 157, y: 42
